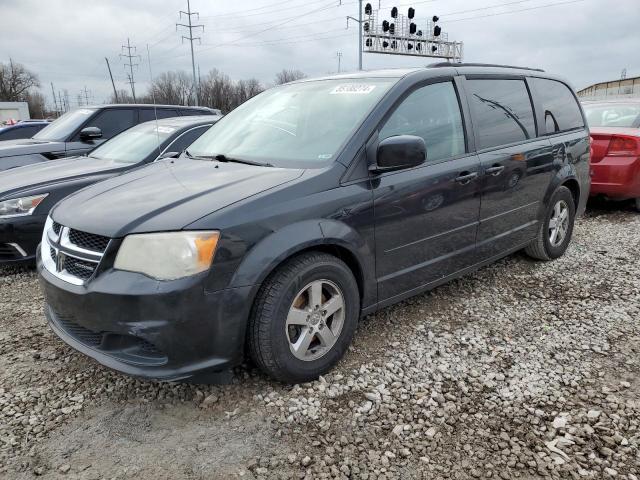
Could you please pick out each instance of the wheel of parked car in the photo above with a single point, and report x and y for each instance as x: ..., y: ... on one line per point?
x: 555, y: 231
x: 304, y: 318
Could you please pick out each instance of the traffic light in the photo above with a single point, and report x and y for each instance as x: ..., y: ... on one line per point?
x: 434, y: 48
x: 409, y: 46
x: 394, y: 44
x: 394, y: 12
x: 385, y: 44
x: 419, y: 33
x: 365, y: 27
x: 435, y: 18
x: 412, y: 28
x: 385, y: 26
x: 419, y: 47
x: 392, y: 28
x: 411, y: 13
x: 367, y: 9
x: 437, y: 31
x: 369, y: 42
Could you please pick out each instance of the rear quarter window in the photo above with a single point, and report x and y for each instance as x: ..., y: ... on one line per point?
x: 559, y: 106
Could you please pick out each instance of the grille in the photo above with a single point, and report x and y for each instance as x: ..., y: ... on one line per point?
x: 79, y: 268
x: 56, y: 228
x: 7, y: 252
x: 137, y: 348
x: 88, y: 241
x: 86, y: 336
x: 54, y: 257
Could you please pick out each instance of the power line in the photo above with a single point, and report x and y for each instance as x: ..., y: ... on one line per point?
x: 514, y: 11
x: 244, y: 15
x: 130, y: 58
x: 191, y: 38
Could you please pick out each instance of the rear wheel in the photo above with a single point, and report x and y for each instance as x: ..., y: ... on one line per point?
x: 304, y: 318
x: 554, y: 234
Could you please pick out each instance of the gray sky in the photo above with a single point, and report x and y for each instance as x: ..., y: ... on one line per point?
x: 65, y: 41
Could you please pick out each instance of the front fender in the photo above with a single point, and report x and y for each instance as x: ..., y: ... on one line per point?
x: 274, y: 249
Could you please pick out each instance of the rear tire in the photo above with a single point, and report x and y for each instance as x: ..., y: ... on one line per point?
x: 554, y: 234
x: 304, y: 318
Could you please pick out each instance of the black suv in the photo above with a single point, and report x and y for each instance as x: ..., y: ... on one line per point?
x: 309, y: 206
x: 83, y: 129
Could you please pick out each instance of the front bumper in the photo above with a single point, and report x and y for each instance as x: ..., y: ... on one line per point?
x: 616, y: 177
x: 146, y: 328
x: 19, y: 238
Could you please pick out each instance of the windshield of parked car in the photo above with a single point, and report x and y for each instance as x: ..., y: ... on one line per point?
x: 613, y: 115
x: 297, y: 125
x: 64, y: 126
x: 135, y: 144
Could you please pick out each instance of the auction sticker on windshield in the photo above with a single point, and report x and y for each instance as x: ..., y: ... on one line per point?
x: 353, y: 89
x: 164, y: 129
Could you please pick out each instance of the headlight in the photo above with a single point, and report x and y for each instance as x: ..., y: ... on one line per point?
x: 167, y: 256
x: 18, y: 207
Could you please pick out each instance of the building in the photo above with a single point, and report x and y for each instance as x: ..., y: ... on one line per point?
x: 13, y: 111
x: 623, y: 88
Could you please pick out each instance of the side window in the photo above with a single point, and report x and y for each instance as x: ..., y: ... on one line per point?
x: 561, y: 110
x: 112, y: 122
x: 148, y: 114
x: 16, y: 133
x: 193, y: 111
x: 186, y: 139
x: 502, y: 112
x: 433, y: 113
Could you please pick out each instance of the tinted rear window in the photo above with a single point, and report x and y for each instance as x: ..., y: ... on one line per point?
x: 502, y: 112
x: 559, y: 106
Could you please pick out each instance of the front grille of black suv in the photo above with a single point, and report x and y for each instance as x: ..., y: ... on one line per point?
x: 74, y: 255
x: 88, y: 241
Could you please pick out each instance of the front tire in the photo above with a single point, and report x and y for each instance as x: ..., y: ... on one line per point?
x: 554, y: 234
x: 304, y: 318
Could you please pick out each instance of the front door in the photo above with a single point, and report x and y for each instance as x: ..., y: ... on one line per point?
x: 426, y: 217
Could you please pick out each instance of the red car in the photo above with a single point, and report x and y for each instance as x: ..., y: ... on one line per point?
x: 615, y: 158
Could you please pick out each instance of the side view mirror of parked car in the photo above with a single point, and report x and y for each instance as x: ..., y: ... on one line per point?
x: 90, y: 133
x: 169, y: 155
x: 400, y: 151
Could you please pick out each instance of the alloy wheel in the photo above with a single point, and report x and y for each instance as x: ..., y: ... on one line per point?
x: 315, y: 320
x: 559, y: 223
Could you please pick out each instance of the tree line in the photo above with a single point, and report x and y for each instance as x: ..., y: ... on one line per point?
x: 215, y: 89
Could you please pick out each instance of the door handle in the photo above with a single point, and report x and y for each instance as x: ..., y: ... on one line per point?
x: 466, y: 177
x: 495, y: 170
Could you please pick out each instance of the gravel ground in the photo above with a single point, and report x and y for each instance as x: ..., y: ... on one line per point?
x: 522, y: 370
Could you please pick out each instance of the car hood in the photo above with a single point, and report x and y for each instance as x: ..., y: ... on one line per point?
x: 165, y: 196
x: 26, y: 146
x: 41, y: 175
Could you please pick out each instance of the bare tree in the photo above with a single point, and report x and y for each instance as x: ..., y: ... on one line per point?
x: 124, y: 96
x: 172, y: 88
x: 37, y: 104
x: 286, y: 76
x: 15, y: 81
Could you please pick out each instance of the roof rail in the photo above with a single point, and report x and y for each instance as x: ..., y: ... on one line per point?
x: 449, y: 64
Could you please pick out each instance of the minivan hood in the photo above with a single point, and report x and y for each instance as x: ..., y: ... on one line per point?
x: 39, y: 176
x: 165, y: 196
x: 26, y: 146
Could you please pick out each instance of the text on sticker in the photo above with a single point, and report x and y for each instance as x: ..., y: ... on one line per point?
x: 353, y: 89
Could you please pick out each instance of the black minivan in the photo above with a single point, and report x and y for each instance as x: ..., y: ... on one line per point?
x: 309, y: 206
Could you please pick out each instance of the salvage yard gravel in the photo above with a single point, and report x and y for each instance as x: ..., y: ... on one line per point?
x: 522, y: 370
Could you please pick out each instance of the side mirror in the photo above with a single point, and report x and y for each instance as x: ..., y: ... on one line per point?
x: 168, y: 155
x: 398, y: 152
x: 90, y: 133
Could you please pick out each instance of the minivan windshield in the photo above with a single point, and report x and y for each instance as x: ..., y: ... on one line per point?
x: 296, y: 125
x: 64, y: 126
x: 135, y: 144
x: 613, y: 114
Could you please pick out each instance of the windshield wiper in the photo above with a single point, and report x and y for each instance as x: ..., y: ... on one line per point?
x: 223, y: 158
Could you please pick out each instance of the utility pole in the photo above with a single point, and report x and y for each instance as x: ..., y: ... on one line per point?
x: 129, y: 58
x: 191, y: 38
x: 339, y: 55
x: 86, y: 95
x: 359, y: 21
x: 60, y: 102
x: 115, y: 93
x: 55, y: 101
